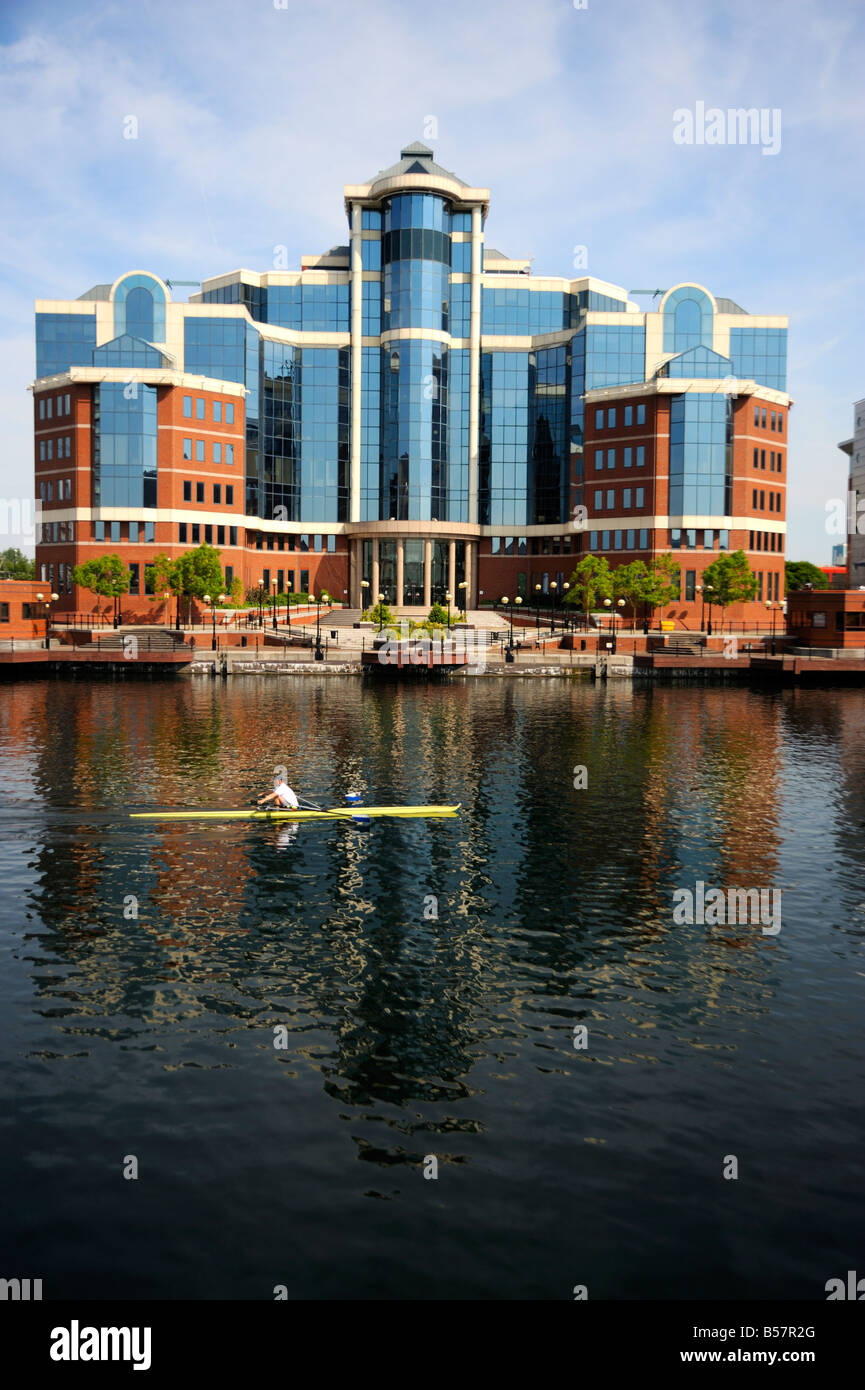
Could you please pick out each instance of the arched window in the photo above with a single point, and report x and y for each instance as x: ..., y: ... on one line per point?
x: 689, y: 319
x: 688, y: 327
x: 139, y: 314
x: 139, y: 308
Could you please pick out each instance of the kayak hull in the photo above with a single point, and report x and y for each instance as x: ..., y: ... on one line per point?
x: 334, y: 813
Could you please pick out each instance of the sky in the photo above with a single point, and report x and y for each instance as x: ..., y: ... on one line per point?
x: 251, y: 115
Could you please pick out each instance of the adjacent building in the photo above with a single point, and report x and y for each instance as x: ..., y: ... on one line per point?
x: 854, y: 448
x: 413, y: 413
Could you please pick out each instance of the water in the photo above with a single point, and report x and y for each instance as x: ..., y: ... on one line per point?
x: 410, y: 1035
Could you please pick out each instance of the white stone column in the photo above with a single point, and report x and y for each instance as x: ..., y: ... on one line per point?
x: 356, y: 359
x: 427, y: 574
x: 469, y: 590
x: 354, y: 576
x: 374, y: 579
x: 475, y: 366
x: 400, y: 572
x: 452, y: 572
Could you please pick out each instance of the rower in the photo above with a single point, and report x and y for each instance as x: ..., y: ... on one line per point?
x: 282, y: 795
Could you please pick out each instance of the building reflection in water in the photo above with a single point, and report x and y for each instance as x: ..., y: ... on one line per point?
x: 409, y: 958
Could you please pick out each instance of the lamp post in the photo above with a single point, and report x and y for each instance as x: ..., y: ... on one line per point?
x: 463, y: 585
x: 213, y: 602
x: 774, y: 609
x: 165, y: 598
x: 567, y: 616
x: 380, y: 613
x: 608, y: 603
x: 52, y: 598
x: 261, y: 602
x: 322, y: 598
x: 702, y: 606
x: 709, y: 591
x: 554, y: 589
x: 364, y: 585
x: 448, y: 598
x: 537, y: 608
x: 620, y: 605
x: 275, y: 596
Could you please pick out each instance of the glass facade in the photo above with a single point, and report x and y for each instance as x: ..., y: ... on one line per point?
x: 127, y: 351
x: 760, y: 354
x: 414, y: 396
x: 503, y: 492
x: 124, y: 445
x: 215, y: 347
x: 297, y: 435
x: 524, y: 312
x: 64, y: 341
x: 698, y: 362
x: 701, y: 455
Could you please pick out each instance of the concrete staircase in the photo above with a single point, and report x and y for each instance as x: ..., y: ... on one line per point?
x: 149, y: 639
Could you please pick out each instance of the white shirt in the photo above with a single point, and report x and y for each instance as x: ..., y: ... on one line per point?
x: 286, y: 797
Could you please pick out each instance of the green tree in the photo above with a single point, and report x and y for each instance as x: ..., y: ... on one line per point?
x: 662, y: 581
x: 236, y: 592
x: 16, y: 565
x: 200, y: 572
x: 161, y: 577
x: 438, y: 615
x: 798, y: 573
x: 380, y: 614
x: 631, y: 582
x: 591, y: 582
x: 731, y: 579
x: 105, y: 575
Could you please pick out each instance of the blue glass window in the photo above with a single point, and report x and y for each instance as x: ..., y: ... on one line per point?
x: 641, y: 455
x: 599, y: 419
x: 611, y: 458
x: 760, y: 354
x: 127, y: 351
x: 124, y: 470
x: 641, y: 414
x: 371, y: 254
x: 599, y: 459
x: 461, y: 257
x: 217, y: 411
x: 229, y: 413
x: 614, y: 356
x: 187, y: 407
x: 199, y: 450
x: 698, y: 362
x: 64, y: 341
x: 199, y: 408
x: 629, y: 415
x: 629, y: 457
x: 700, y: 455
x: 370, y: 220
x: 611, y: 417
x: 312, y: 308
x: 371, y: 325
